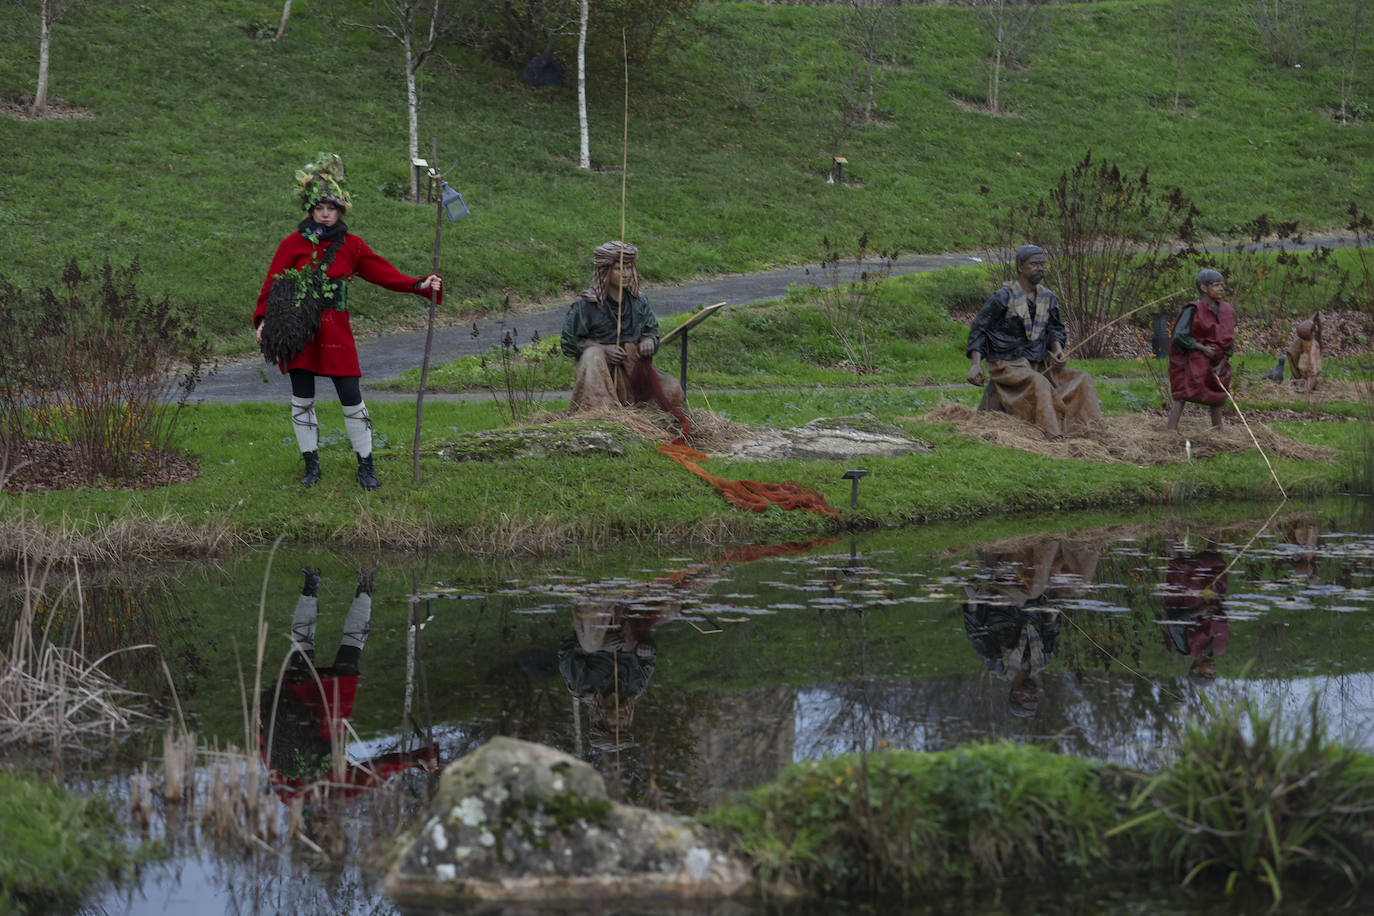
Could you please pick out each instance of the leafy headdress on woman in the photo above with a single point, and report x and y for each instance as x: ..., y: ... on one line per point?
x: 322, y: 180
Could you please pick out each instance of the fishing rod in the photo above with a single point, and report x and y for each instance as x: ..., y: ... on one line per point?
x: 1120, y: 317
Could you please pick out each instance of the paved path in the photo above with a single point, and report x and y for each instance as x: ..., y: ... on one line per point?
x: 390, y: 355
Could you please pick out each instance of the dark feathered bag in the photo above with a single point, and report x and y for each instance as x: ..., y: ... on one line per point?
x: 295, y: 301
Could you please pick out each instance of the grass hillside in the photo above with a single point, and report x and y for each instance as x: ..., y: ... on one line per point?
x: 196, y: 127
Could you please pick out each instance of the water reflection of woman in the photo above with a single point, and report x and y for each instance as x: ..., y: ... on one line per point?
x: 305, y: 717
x: 1197, y: 627
x: 607, y: 662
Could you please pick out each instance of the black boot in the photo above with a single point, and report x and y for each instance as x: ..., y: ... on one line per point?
x: 367, y: 479
x: 311, y: 586
x: 312, y: 469
x: 365, y: 576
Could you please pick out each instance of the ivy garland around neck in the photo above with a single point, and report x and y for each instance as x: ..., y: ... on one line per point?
x: 313, y: 276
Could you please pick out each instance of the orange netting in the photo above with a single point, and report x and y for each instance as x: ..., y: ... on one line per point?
x: 751, y: 552
x: 755, y: 495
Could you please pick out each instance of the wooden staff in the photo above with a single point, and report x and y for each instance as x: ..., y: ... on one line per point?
x: 429, y: 333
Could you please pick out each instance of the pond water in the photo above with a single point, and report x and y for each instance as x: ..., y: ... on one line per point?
x: 700, y: 675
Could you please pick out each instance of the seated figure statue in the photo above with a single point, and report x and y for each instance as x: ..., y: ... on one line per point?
x: 1021, y: 335
x: 610, y: 330
x: 1305, y: 353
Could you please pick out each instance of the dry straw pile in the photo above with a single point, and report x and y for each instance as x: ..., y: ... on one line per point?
x: 1141, y: 440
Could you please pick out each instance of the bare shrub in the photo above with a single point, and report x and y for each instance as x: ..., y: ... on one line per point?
x: 515, y: 376
x: 93, y: 365
x: 1282, y: 27
x: 1110, y: 239
x: 1362, y: 227
x: 1006, y: 26
x: 847, y: 299
x: 1277, y: 274
x: 515, y: 32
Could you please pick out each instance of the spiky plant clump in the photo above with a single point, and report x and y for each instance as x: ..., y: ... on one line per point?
x: 1255, y: 795
x: 902, y: 823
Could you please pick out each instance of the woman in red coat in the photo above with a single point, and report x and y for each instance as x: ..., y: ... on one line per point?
x: 1200, y: 353
x: 332, y: 352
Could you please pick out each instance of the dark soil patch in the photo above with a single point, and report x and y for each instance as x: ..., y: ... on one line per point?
x: 17, y: 107
x: 56, y: 466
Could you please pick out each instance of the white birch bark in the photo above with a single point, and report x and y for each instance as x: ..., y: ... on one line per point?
x: 412, y: 117
x: 285, y: 15
x: 584, y: 159
x: 40, y: 94
x: 416, y: 49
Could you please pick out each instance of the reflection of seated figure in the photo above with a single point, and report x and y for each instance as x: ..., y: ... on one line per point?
x: 1009, y: 620
x: 305, y: 716
x: 1197, y: 625
x: 608, y: 661
x: 1305, y: 533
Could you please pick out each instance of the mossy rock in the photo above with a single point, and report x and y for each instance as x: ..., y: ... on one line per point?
x: 516, y: 821
x: 552, y: 440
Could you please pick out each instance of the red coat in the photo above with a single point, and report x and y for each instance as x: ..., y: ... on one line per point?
x: 333, y: 351
x: 1190, y: 372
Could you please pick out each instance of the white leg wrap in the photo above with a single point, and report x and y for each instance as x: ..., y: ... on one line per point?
x: 307, y: 427
x: 358, y: 622
x: 303, y: 622
x: 358, y: 425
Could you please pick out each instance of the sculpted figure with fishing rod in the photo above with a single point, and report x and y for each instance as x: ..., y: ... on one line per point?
x: 612, y: 333
x: 1200, y: 352
x: 1020, y: 334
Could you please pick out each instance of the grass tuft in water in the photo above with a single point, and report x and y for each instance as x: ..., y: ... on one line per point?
x: 902, y: 823
x: 54, y: 847
x: 1255, y: 796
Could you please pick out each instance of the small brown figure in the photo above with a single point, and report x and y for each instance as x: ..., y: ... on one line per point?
x: 1305, y: 353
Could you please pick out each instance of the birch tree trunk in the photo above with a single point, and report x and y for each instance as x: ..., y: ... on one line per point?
x: 995, y: 80
x: 285, y: 15
x: 584, y: 159
x: 412, y: 117
x: 40, y: 94
x: 408, y: 16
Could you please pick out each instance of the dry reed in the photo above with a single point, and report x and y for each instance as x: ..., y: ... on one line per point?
x: 120, y: 540
x: 50, y: 694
